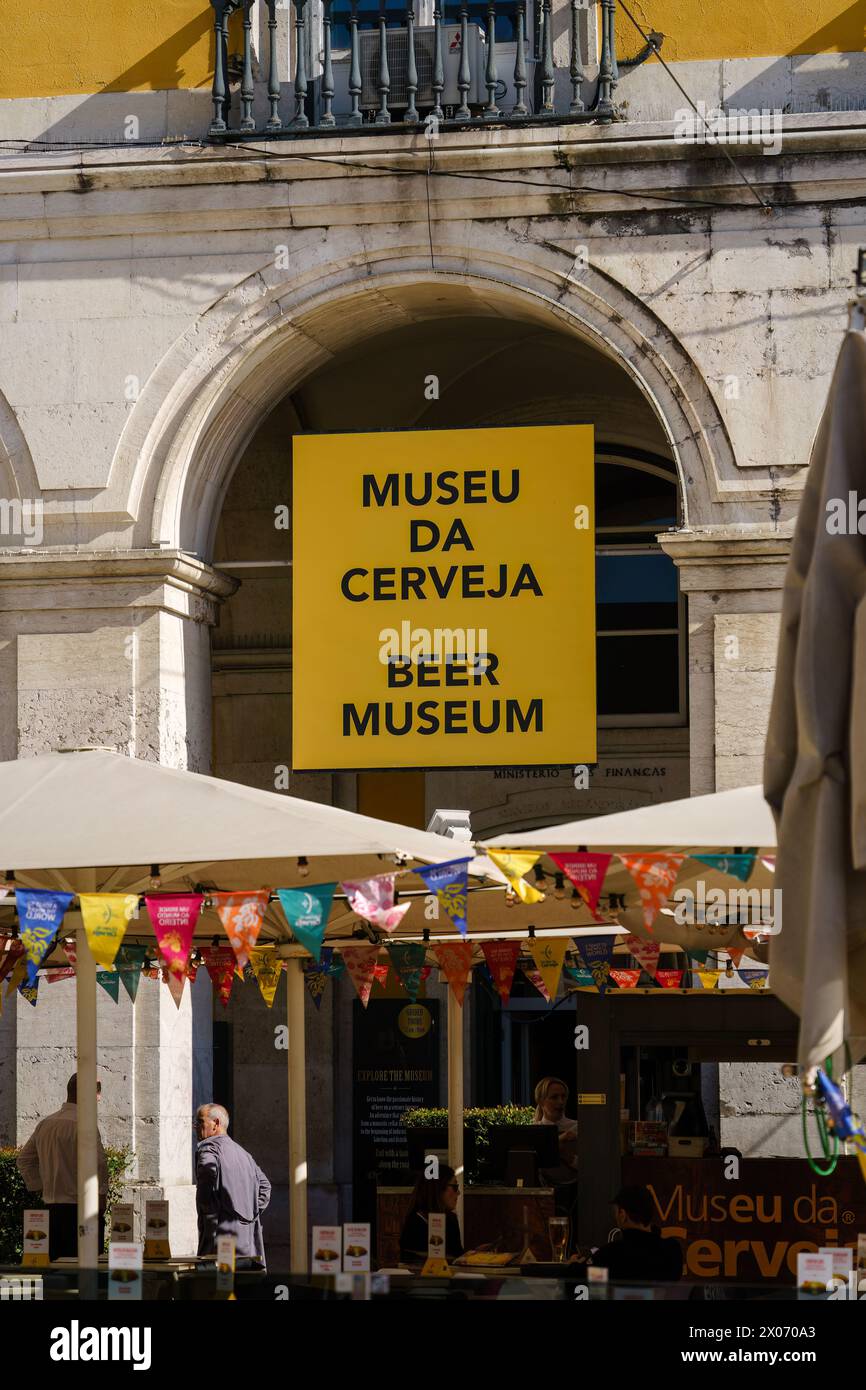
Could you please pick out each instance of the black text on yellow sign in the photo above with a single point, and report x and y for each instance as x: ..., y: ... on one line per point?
x: 444, y: 598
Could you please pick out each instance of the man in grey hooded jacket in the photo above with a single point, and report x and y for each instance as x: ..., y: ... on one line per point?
x: 231, y: 1189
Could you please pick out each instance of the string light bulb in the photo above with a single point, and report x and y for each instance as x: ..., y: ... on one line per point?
x: 510, y: 897
x: 576, y: 899
x: 303, y: 867
x: 540, y: 877
x: 559, y: 890
x: 155, y: 876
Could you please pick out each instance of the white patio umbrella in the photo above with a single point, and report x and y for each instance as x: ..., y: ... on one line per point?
x: 96, y: 821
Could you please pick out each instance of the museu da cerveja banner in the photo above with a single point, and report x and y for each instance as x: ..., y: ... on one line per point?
x: 444, y: 598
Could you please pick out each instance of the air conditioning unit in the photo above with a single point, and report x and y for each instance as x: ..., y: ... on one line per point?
x: 397, y: 47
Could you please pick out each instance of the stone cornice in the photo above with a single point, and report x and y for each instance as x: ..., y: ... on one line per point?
x: 729, y: 557
x: 174, y: 568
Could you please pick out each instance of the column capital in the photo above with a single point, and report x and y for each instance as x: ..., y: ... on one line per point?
x: 729, y: 557
x: 72, y: 578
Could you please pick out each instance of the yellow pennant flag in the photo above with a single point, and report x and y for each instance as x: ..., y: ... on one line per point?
x: 514, y: 866
x: 709, y: 978
x: 19, y: 970
x: 267, y: 968
x: 106, y: 917
x: 549, y: 957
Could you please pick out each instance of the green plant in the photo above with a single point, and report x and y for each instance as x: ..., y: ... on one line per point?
x: 477, y: 1121
x: 15, y: 1199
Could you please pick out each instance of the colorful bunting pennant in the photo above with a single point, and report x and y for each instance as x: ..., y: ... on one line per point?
x: 582, y: 978
x: 373, y: 899
x: 175, y: 984
x: 597, y: 954
x: 626, y: 979
x: 360, y: 962
x: 29, y: 991
x: 754, y: 978
x: 174, y: 916
x: 40, y: 914
x: 450, y: 883
x: 549, y: 956
x: 11, y: 950
x: 407, y: 959
x: 307, y: 912
x: 709, y: 978
x: 106, y: 917
x: 110, y: 981
x: 587, y: 873
x: 501, y: 957
x: 220, y: 963
x: 64, y: 972
x: 514, y: 866
x: 18, y: 974
x: 129, y: 965
x: 655, y: 876
x: 267, y: 968
x: 535, y: 977
x: 669, y: 979
x: 455, y: 962
x: 737, y: 865
x: 241, y: 915
x: 317, y: 972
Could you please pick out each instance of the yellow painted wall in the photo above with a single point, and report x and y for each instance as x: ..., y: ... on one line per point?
x: 696, y: 29
x: 85, y: 46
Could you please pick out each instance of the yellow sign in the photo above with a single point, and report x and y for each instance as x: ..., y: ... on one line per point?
x: 414, y: 1021
x: 592, y: 1098
x: 444, y: 598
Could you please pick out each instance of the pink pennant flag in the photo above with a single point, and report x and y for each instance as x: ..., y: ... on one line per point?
x: 536, y: 978
x: 361, y: 964
x: 380, y: 973
x: 655, y: 876
x: 373, y: 899
x: 626, y: 979
x: 61, y: 973
x: 586, y: 872
x: 645, y: 952
x: 220, y: 965
x: 174, y: 916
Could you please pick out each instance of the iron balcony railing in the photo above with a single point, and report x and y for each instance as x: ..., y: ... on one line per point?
x: 398, y: 74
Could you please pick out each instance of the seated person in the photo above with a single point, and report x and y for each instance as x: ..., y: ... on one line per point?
x: 432, y: 1194
x: 551, y: 1095
x: 642, y: 1253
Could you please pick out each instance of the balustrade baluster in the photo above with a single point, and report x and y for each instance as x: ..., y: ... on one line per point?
x: 300, y: 121
x: 438, y: 82
x: 327, y: 68
x: 411, y: 66
x: 219, y: 88
x: 247, y: 88
x: 464, y: 75
x: 383, y: 115
x: 519, y: 108
x: 274, y: 122
x: 547, y: 75
x: 355, y: 117
x: 491, y: 76
x: 575, y: 70
x: 605, y: 71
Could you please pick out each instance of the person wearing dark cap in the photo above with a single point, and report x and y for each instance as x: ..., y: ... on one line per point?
x: 641, y: 1253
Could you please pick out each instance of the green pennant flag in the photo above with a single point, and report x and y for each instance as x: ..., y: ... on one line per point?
x: 110, y: 981
x: 737, y: 865
x: 307, y: 911
x: 130, y: 963
x: 407, y: 959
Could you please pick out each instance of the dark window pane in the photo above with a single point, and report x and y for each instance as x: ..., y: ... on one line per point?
x: 638, y: 675
x: 630, y: 617
x: 623, y: 579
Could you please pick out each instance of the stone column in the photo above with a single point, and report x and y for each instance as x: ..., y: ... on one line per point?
x: 733, y: 579
x: 113, y: 649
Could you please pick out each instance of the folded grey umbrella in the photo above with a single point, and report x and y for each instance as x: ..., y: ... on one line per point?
x: 815, y: 762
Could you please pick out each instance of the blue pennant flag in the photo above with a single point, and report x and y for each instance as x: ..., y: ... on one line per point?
x: 450, y: 883
x: 40, y: 914
x: 306, y: 912
x: 596, y: 952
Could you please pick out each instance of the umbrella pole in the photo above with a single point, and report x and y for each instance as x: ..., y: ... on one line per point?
x: 455, y: 1093
x: 297, y: 1116
x: 88, y: 1170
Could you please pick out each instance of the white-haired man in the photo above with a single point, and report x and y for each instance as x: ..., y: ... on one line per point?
x: 231, y: 1189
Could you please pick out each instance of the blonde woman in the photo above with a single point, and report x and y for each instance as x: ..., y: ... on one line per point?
x: 551, y: 1096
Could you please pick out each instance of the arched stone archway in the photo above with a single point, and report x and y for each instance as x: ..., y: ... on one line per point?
x: 259, y: 342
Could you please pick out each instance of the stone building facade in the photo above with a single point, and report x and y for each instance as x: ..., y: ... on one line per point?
x: 172, y: 313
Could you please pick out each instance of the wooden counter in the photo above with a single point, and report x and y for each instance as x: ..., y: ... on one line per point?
x: 490, y: 1215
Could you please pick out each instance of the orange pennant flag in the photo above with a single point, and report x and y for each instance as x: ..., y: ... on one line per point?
x: 241, y: 915
x: 455, y: 962
x: 655, y: 876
